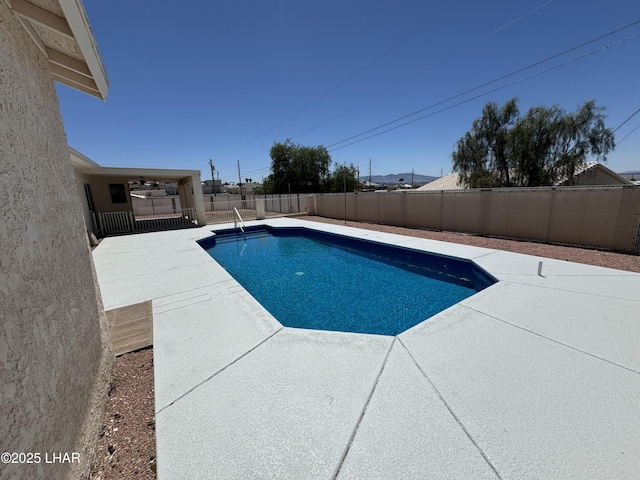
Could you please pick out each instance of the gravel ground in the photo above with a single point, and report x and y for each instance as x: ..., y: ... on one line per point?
x: 127, y: 443
x: 127, y: 446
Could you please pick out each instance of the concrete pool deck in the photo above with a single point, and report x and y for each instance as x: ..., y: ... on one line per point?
x: 534, y: 377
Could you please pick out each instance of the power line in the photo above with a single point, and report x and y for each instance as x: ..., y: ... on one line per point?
x: 522, y: 16
x: 259, y: 170
x: 335, y: 144
x: 628, y: 118
x: 489, y: 83
x: 475, y: 97
x: 357, y: 72
x: 415, y: 74
x: 330, y: 90
x: 627, y: 135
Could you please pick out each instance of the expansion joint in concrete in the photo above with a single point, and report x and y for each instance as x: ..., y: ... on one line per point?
x: 364, y: 410
x: 557, y: 289
x: 453, y: 414
x: 220, y: 371
x: 553, y: 340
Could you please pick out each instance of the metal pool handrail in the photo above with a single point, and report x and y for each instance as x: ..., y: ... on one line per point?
x: 235, y: 222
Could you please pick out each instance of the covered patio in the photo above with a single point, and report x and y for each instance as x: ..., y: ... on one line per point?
x: 108, y: 205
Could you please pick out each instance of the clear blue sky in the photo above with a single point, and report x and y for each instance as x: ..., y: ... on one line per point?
x: 226, y: 79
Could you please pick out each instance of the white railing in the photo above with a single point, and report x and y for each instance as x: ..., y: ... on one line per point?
x: 111, y: 223
x: 115, y: 222
x: 223, y: 211
x: 235, y: 223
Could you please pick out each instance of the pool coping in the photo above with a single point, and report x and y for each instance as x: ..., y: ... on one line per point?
x: 534, y: 377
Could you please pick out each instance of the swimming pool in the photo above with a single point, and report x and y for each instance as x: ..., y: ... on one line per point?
x: 317, y: 280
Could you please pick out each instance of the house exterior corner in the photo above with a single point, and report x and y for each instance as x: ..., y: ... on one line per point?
x: 55, y: 350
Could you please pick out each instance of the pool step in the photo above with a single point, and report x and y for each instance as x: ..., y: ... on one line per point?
x: 240, y: 237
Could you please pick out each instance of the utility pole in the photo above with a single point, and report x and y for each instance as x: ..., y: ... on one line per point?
x: 369, y: 174
x: 240, y: 181
x: 213, y: 184
x: 412, y: 178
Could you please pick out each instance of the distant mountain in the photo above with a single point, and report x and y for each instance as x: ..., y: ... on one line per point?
x: 393, y: 178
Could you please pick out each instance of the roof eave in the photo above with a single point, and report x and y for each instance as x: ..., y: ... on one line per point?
x: 79, y: 24
x: 60, y: 30
x: 80, y: 161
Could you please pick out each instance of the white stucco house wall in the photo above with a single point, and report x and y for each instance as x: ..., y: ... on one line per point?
x: 55, y: 350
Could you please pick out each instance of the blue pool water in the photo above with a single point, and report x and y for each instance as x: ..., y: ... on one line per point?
x: 315, y: 280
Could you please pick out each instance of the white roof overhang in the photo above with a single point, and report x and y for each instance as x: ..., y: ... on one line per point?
x: 60, y: 29
x: 87, y: 166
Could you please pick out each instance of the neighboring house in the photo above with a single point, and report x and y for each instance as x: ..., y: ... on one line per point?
x: 368, y: 186
x: 144, y: 194
x: 594, y: 173
x: 55, y: 348
x: 170, y: 188
x: 247, y: 188
x: 447, y: 182
x: 106, y: 189
x: 590, y: 173
x: 212, y: 186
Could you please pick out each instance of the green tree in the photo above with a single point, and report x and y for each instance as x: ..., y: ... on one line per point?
x: 544, y: 147
x: 267, y: 186
x: 297, y: 168
x: 532, y: 138
x: 581, y: 134
x: 482, y: 157
x: 341, y: 176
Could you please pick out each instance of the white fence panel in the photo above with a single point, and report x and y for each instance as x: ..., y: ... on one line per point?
x: 115, y: 222
x: 220, y: 208
x: 126, y: 222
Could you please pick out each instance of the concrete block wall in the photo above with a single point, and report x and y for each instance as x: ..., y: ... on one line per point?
x: 55, y: 354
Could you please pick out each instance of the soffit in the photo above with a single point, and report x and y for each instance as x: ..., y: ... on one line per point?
x: 61, y: 31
